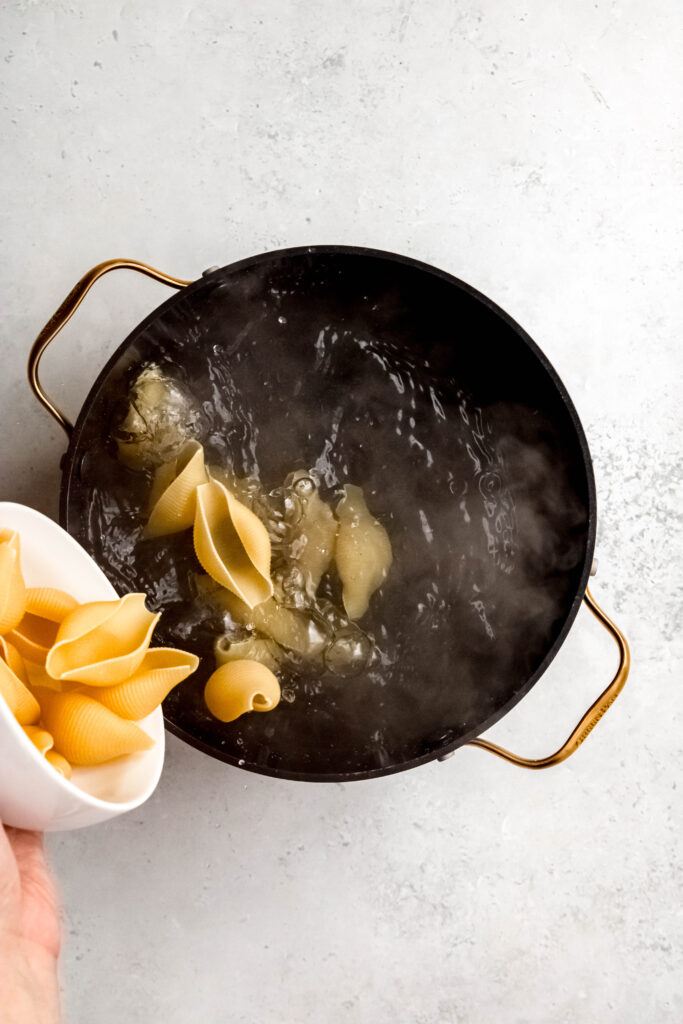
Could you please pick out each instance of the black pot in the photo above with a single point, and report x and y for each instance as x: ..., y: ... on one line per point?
x: 386, y: 372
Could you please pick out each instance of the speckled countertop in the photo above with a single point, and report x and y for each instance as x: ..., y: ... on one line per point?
x: 533, y: 150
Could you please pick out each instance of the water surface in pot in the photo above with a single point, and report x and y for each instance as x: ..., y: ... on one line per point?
x: 366, y: 372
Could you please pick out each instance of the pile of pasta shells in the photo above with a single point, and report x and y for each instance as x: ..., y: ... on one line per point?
x: 264, y: 565
x: 79, y: 677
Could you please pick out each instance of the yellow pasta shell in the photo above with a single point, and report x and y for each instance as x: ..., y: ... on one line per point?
x: 103, y: 642
x: 41, y: 739
x: 161, y: 669
x: 15, y: 661
x: 174, y: 509
x: 49, y: 603
x: 33, y: 637
x: 12, y: 586
x: 18, y: 697
x: 164, y: 475
x: 59, y: 763
x: 232, y: 544
x: 37, y: 631
x: 44, y: 742
x: 241, y: 686
x: 37, y: 676
x: 86, y: 733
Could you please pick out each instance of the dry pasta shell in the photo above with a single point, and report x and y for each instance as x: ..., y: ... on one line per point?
x: 247, y: 489
x: 46, y: 608
x: 18, y: 697
x: 33, y: 637
x: 59, y: 763
x: 164, y: 475
x: 102, y: 643
x: 161, y: 669
x: 12, y: 586
x: 241, y: 686
x: 232, y: 544
x: 41, y: 739
x: 174, y: 509
x: 49, y: 603
x: 85, y: 732
x: 15, y: 661
x: 37, y: 676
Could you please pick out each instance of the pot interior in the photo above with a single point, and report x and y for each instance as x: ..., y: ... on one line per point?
x: 372, y: 370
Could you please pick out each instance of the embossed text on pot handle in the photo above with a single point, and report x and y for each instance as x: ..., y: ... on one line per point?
x: 67, y: 310
x: 594, y: 713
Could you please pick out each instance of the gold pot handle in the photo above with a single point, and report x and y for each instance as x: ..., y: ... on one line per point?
x: 67, y: 310
x: 594, y: 713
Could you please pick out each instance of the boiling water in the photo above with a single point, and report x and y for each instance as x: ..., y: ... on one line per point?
x: 468, y: 496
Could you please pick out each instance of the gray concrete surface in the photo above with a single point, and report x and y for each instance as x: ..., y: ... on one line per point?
x: 534, y: 150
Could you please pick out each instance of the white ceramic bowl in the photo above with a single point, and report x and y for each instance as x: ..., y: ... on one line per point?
x: 32, y: 794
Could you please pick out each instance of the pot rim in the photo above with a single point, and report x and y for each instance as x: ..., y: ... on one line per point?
x: 440, y: 752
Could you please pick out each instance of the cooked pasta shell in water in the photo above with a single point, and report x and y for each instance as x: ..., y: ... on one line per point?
x: 173, y: 510
x: 41, y: 739
x: 232, y: 544
x: 85, y: 732
x: 18, y: 697
x: 49, y: 603
x: 314, y: 542
x: 59, y: 763
x: 298, y: 631
x: 160, y: 419
x: 253, y: 648
x: 12, y: 586
x: 363, y: 552
x: 103, y: 642
x: 161, y: 669
x: 241, y: 686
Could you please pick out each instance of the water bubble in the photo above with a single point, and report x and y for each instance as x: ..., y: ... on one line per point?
x: 349, y: 653
x: 305, y: 486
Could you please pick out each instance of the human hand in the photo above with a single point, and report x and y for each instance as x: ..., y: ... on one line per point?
x: 29, y: 931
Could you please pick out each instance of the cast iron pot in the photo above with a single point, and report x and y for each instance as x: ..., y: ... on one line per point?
x: 383, y: 371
